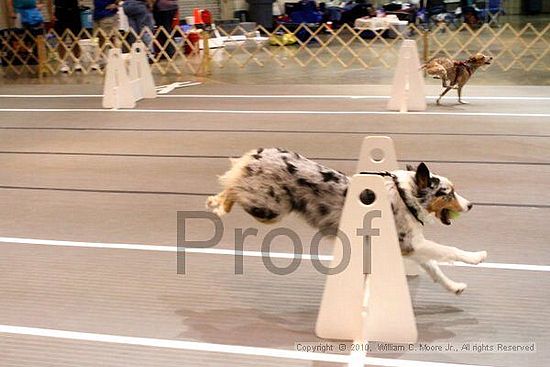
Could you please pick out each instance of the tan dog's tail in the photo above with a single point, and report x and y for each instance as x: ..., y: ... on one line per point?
x: 425, y: 65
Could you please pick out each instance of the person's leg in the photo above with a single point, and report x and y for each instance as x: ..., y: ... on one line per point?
x: 68, y: 28
x: 29, y: 37
x: 170, y: 14
x: 134, y: 24
x: 146, y: 26
x: 62, y: 45
x: 112, y: 29
x: 160, y: 33
x: 139, y: 18
x: 163, y: 20
x: 166, y: 19
x: 132, y: 9
x: 75, y: 26
x: 106, y: 30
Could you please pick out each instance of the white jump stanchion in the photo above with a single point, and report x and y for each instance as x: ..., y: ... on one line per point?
x: 117, y: 92
x: 378, y: 154
x: 140, y: 73
x: 407, y: 93
x: 125, y: 85
x: 376, y: 306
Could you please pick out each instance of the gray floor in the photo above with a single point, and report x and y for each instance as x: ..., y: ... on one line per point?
x: 119, y: 177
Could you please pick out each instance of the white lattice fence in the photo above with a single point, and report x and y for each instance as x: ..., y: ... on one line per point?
x: 299, y: 45
x: 21, y: 53
x: 526, y: 48
x: 304, y: 45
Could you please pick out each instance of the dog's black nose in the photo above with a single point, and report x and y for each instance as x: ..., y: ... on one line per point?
x: 470, y: 206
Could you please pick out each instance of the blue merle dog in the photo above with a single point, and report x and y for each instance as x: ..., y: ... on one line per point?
x: 271, y: 183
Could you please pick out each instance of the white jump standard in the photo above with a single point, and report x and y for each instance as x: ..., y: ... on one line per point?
x: 270, y: 183
x: 127, y: 84
x: 378, y: 154
x: 407, y: 92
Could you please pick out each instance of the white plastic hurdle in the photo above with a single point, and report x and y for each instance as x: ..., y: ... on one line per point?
x: 125, y: 85
x: 407, y: 93
x: 378, y: 154
x: 375, y: 306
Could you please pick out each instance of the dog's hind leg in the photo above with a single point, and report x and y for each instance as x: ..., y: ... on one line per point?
x: 442, y: 94
x: 445, y: 82
x: 460, y: 96
x: 220, y: 204
x: 437, y: 275
x: 262, y: 214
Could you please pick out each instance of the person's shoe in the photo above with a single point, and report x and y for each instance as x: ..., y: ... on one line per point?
x: 64, y: 68
x: 77, y: 67
x: 95, y: 66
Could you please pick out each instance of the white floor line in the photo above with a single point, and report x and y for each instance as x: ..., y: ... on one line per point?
x: 276, y: 112
x: 278, y: 96
x: 216, y: 348
x: 230, y: 252
x: 159, y: 248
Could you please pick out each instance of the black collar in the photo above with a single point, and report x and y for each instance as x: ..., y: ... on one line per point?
x: 402, y: 194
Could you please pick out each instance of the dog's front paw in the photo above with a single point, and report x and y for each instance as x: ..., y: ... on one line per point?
x: 463, y: 102
x: 478, y: 257
x: 458, y: 288
x: 482, y: 256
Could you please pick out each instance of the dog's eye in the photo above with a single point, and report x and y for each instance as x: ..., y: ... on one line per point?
x: 440, y: 193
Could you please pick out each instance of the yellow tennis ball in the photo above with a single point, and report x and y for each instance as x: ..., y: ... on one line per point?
x: 454, y: 214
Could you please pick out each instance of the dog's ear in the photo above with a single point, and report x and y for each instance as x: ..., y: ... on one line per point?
x: 422, y: 176
x: 410, y: 167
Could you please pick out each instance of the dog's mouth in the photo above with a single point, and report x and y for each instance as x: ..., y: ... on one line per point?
x: 488, y: 62
x: 445, y: 216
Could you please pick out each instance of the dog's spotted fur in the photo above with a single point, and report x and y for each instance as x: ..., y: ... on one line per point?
x: 271, y: 183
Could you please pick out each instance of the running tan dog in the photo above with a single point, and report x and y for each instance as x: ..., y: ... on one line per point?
x: 454, y: 73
